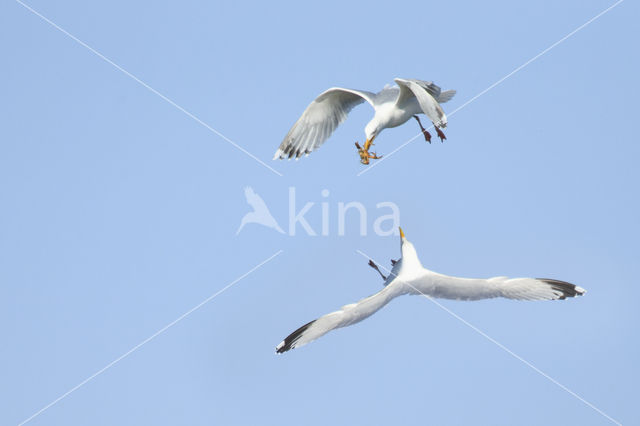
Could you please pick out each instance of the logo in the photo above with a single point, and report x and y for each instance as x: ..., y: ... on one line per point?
x: 260, y: 214
x: 386, y: 222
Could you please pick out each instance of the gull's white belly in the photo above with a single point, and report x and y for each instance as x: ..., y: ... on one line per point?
x: 391, y: 116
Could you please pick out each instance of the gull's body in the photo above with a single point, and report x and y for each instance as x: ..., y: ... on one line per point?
x: 393, y: 106
x: 408, y: 276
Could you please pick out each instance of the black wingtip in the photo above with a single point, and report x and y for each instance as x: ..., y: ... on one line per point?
x: 291, y: 339
x: 567, y: 289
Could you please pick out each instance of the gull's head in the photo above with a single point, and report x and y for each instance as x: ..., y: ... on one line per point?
x: 372, y: 129
x: 409, y: 254
x: 403, y: 239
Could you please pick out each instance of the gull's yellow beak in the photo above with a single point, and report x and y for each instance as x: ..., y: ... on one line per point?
x: 401, y: 233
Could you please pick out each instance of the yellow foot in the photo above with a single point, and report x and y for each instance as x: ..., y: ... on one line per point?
x: 365, y: 155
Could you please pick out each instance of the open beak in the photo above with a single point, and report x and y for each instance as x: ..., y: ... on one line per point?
x: 401, y: 233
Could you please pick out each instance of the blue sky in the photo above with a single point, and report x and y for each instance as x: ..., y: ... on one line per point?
x: 119, y: 213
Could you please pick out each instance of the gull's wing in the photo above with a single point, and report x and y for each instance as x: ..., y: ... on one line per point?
x: 435, y: 91
x: 319, y: 120
x: 347, y: 315
x: 446, y: 287
x: 445, y: 96
x: 428, y: 103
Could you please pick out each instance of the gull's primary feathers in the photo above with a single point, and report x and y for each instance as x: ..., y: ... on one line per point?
x: 408, y: 276
x: 393, y: 106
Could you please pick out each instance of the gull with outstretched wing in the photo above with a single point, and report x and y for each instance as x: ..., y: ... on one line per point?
x: 408, y: 276
x: 393, y: 105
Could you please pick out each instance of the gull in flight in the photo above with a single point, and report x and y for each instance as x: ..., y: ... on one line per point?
x: 393, y: 105
x: 408, y: 276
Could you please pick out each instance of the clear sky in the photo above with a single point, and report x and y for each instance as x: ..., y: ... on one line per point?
x: 119, y: 213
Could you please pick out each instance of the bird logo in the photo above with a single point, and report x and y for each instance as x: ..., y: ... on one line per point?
x: 260, y: 214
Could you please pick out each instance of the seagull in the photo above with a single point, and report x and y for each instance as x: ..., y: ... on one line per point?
x: 408, y: 276
x: 260, y: 214
x: 393, y: 105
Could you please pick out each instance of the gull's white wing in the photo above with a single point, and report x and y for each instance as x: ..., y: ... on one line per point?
x: 435, y: 91
x: 319, y: 120
x: 428, y: 104
x: 446, y: 287
x: 347, y: 315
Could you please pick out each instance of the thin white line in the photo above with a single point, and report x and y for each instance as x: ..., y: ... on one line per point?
x: 387, y: 156
x: 127, y: 73
x: 147, y: 340
x: 500, y: 345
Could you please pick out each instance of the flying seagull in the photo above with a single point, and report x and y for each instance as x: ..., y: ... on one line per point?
x: 408, y: 276
x: 393, y: 105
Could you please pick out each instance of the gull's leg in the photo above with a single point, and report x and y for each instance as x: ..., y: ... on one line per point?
x: 440, y: 134
x: 367, y: 145
x: 364, y: 153
x: 374, y: 266
x: 364, y: 157
x: 427, y: 135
